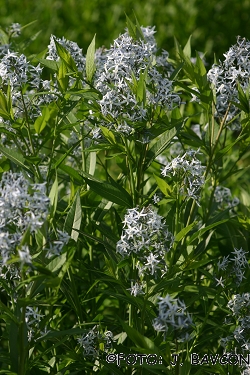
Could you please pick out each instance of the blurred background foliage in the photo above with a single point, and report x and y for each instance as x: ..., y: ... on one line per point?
x: 214, y: 24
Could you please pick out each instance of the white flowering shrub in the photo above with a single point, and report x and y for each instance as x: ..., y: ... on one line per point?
x: 230, y: 79
x: 124, y: 207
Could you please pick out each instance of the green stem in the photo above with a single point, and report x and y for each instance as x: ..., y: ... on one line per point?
x: 131, y: 307
x: 83, y: 153
x: 140, y: 174
x: 131, y: 175
x: 22, y: 337
x: 144, y: 307
x: 213, y: 147
x: 27, y: 124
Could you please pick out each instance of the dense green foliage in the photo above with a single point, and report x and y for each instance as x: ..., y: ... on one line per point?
x: 124, y: 206
x: 214, y: 24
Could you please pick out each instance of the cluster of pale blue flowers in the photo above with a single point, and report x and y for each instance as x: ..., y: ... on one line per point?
x: 173, y: 317
x: 146, y: 236
x: 72, y: 47
x: 223, y: 197
x: 226, y: 75
x: 119, y: 72
x: 232, y: 267
x: 23, y: 206
x: 55, y: 246
x: 32, y: 319
x: 14, y: 30
x: 90, y: 342
x: 240, y: 310
x: 17, y: 71
x: 189, y: 170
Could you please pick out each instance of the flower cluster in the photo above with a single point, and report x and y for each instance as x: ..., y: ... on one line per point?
x: 232, y: 267
x: 240, y: 310
x: 173, y: 316
x: 25, y: 81
x: 146, y: 236
x: 188, y: 169
x: 223, y: 197
x: 17, y: 71
x: 14, y: 30
x: 226, y: 75
x: 91, y: 341
x: 23, y: 206
x: 117, y: 77
x: 32, y: 319
x: 55, y: 246
x: 136, y: 288
x: 72, y: 47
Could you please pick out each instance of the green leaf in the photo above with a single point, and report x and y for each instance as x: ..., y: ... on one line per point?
x: 51, y: 64
x: 25, y: 238
x: 222, y: 152
x: 161, y: 145
x: 131, y: 28
x: 112, y: 192
x: 191, y: 265
x: 108, y: 135
x: 244, y: 99
x: 63, y: 157
x: 6, y: 311
x: 184, y: 232
x: 62, y: 77
x: 139, y: 33
x: 57, y: 262
x: 92, y: 162
x: 74, y: 218
x: 90, y: 60
x: 200, y: 73
x: 4, y: 38
x: 72, y: 173
x: 42, y: 120
x: 16, y: 158
x: 201, y: 231
x: 67, y: 332
x: 141, y: 87
x: 187, y: 48
x: 140, y: 340
x: 53, y: 196
x: 64, y: 54
x: 165, y: 188
x: 4, y: 107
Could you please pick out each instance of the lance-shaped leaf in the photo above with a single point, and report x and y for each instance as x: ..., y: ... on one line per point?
x: 53, y: 196
x: 16, y: 157
x: 161, y: 145
x: 90, y: 60
x: 65, y: 56
x: 112, y: 192
x: 74, y: 218
x: 42, y: 120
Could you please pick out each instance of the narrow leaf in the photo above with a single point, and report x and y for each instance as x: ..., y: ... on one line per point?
x: 116, y: 194
x: 161, y: 145
x: 42, y: 120
x: 51, y: 64
x: 184, y: 232
x: 16, y: 157
x: 53, y: 196
x: 131, y: 28
x: 65, y: 56
x: 108, y: 135
x: 74, y: 218
x: 165, y: 188
x: 90, y: 61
